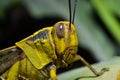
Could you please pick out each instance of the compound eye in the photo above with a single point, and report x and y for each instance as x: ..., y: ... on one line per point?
x: 60, y: 30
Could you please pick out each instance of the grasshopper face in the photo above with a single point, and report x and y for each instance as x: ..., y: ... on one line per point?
x: 65, y: 40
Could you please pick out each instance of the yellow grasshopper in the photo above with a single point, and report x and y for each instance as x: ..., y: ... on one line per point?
x: 38, y: 56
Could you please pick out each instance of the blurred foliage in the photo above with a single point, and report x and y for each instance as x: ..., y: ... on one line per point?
x: 4, y: 4
x: 85, y: 74
x: 106, y: 10
x: 90, y: 33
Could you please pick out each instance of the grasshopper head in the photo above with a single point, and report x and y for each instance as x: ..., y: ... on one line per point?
x: 65, y: 40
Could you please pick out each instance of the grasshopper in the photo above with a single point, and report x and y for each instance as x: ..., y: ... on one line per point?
x: 38, y: 56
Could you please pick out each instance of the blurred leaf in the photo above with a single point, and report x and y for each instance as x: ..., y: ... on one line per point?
x: 106, y: 8
x: 4, y: 4
x: 85, y: 74
x: 89, y: 34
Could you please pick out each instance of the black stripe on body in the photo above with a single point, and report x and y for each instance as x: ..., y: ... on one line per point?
x: 40, y: 35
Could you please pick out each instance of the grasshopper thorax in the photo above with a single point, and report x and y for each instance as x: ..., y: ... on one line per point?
x: 65, y: 41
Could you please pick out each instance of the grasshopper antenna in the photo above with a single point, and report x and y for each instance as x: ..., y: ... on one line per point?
x: 70, y: 15
x: 70, y: 12
x: 74, y: 10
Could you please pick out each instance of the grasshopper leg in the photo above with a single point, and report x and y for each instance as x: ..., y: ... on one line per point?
x: 2, y: 78
x: 78, y: 57
x: 53, y: 72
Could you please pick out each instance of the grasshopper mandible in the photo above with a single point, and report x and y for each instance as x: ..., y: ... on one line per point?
x: 38, y: 56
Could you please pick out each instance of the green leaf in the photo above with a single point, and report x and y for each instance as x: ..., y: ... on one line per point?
x: 106, y: 9
x: 85, y: 74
